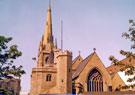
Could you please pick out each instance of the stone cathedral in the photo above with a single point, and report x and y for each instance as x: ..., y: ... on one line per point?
x: 57, y: 73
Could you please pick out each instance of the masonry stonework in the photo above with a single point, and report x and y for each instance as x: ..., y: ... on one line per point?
x: 64, y: 74
x: 56, y: 73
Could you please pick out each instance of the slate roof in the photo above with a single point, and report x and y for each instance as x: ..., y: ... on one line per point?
x: 81, y: 66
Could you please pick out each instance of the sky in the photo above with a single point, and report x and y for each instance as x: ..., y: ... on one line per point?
x: 87, y: 24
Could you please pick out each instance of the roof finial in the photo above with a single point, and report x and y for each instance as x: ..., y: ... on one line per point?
x: 94, y: 49
x: 79, y: 52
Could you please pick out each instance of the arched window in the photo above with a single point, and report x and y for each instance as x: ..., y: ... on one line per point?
x: 95, y: 81
x: 46, y: 59
x: 48, y: 77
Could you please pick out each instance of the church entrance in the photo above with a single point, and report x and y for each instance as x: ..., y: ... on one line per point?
x: 95, y: 81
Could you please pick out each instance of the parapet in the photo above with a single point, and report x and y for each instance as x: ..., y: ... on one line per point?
x: 64, y: 53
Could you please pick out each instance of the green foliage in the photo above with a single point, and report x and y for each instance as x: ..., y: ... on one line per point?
x: 7, y: 57
x: 128, y: 68
x: 6, y: 92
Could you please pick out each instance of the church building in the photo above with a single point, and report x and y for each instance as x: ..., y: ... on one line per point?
x: 58, y: 73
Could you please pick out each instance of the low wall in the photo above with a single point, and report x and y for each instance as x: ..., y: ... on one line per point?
x: 111, y: 93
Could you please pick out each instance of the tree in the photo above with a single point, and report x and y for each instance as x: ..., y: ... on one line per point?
x: 7, y: 68
x: 127, y: 68
x: 7, y: 57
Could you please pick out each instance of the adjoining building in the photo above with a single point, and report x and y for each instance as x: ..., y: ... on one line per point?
x: 56, y: 73
x: 118, y: 77
x: 10, y: 84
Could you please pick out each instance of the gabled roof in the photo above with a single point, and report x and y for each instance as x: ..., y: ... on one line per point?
x: 75, y: 60
x: 114, y: 69
x: 75, y: 63
x: 82, y: 66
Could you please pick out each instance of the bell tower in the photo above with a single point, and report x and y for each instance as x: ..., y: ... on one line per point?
x: 46, y: 44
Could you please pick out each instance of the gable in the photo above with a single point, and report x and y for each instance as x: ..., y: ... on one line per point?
x: 89, y: 63
x: 81, y: 66
x: 94, y: 62
x: 76, y: 62
x: 116, y: 81
x: 87, y: 66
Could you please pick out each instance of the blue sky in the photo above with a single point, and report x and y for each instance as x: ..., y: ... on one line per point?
x: 87, y: 24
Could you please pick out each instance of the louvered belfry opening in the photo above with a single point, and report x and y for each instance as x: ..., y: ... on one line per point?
x: 95, y: 81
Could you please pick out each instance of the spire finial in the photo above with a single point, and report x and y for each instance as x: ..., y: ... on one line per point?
x: 49, y: 8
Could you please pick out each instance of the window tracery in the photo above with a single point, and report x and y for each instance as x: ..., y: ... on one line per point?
x: 95, y: 81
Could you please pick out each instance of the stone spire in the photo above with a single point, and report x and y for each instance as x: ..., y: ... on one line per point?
x: 46, y: 44
x: 48, y: 37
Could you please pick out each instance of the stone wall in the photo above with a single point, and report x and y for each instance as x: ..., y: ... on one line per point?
x: 64, y: 72
x: 94, y: 62
x: 38, y: 80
